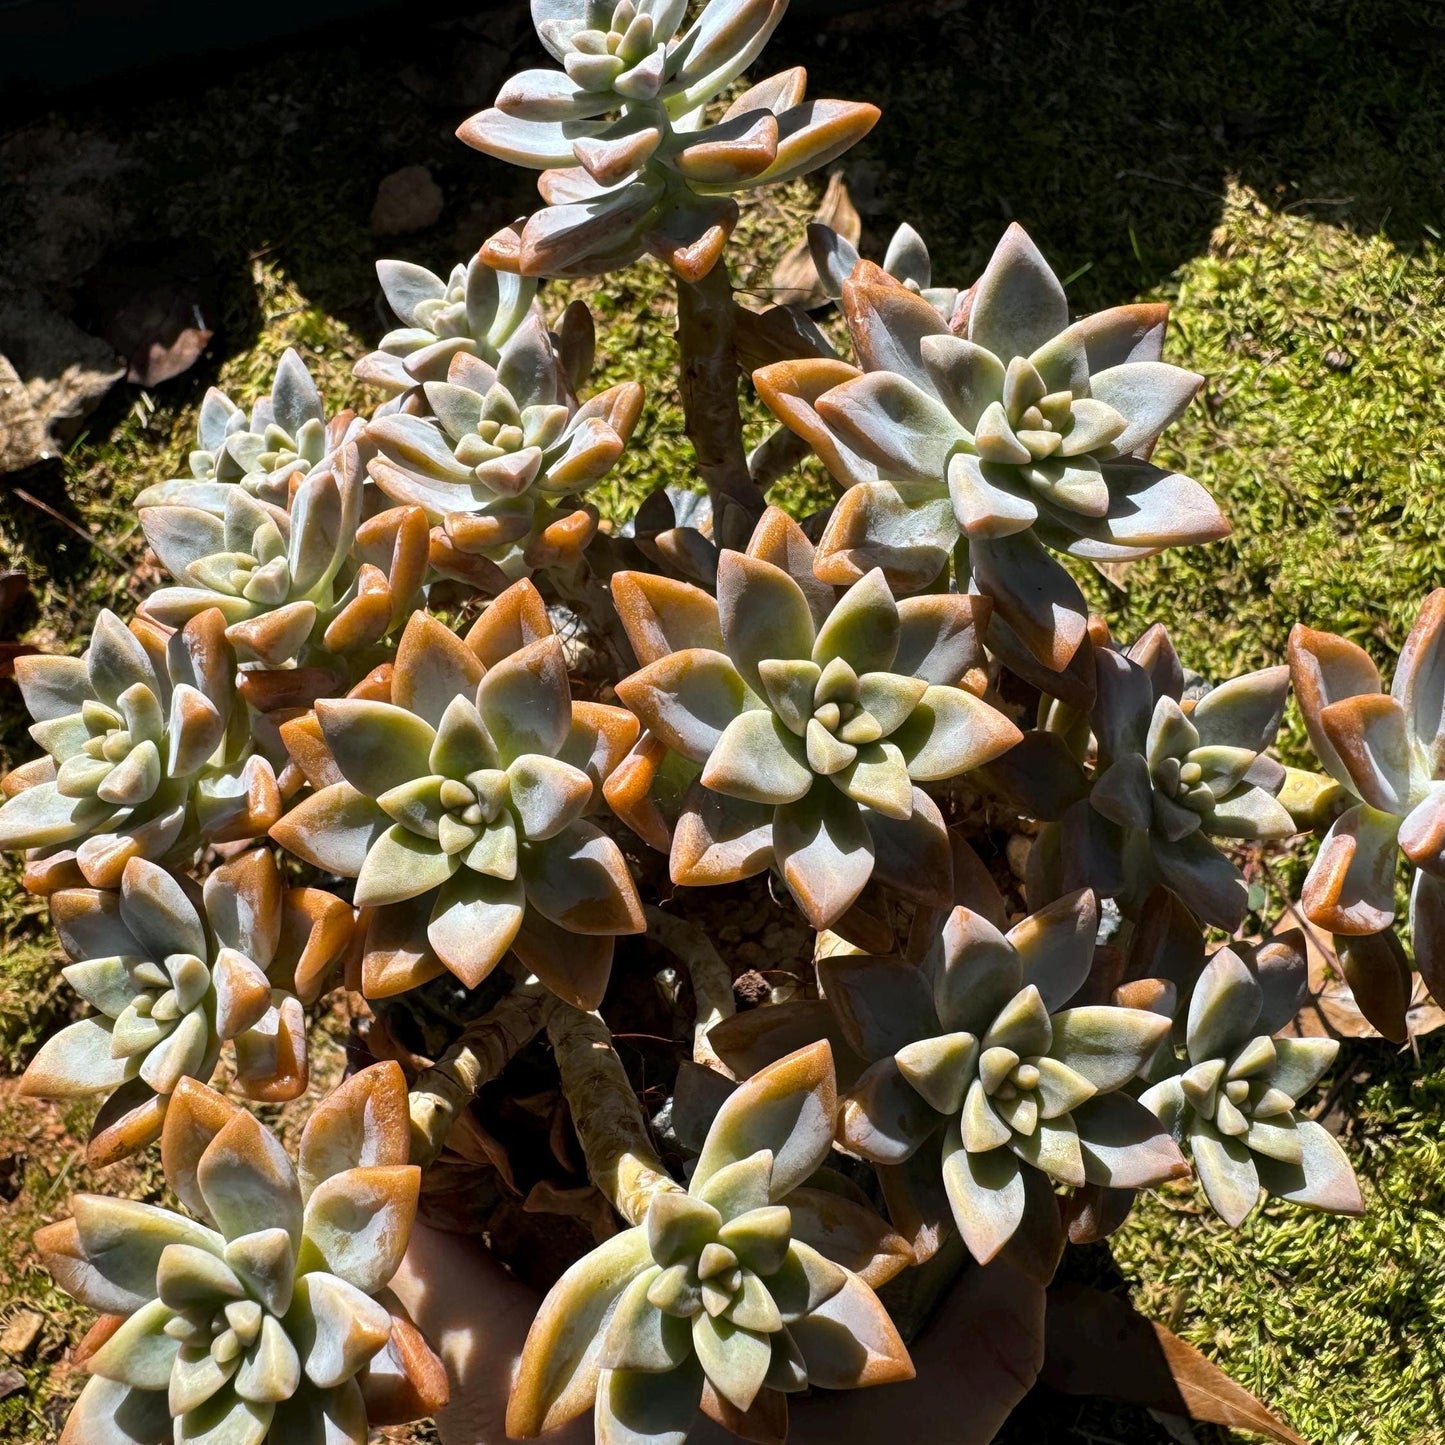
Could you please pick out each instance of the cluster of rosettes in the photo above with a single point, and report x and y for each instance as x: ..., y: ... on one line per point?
x: 631, y: 162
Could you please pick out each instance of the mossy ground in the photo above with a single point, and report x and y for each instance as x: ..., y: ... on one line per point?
x: 1276, y: 172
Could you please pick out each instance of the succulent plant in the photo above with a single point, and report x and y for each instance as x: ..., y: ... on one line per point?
x: 265, y: 1315
x: 458, y: 803
x: 1386, y: 754
x: 835, y: 258
x: 631, y: 161
x: 1169, y: 771
x: 1002, y: 435
x: 148, y: 754
x: 729, y: 1296
x: 978, y: 1051
x: 1235, y: 1101
x: 503, y: 446
x: 172, y: 978
x: 287, y: 432
x: 475, y: 310
x: 814, y: 719
x: 291, y: 579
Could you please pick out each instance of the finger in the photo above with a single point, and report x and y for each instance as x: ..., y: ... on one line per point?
x: 476, y: 1317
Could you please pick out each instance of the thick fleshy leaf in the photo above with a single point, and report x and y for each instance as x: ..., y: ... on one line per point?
x: 1323, y: 1179
x: 1018, y: 303
x: 687, y: 699
x: 1124, y: 1146
x: 1227, y: 1170
x: 763, y: 614
x: 1350, y: 888
x: 950, y: 732
x: 646, y: 1409
x: 77, y: 1062
x: 885, y: 1116
x: 758, y: 760
x: 1224, y: 1008
x: 107, y: 1254
x: 1195, y: 869
x: 1419, y: 683
x: 1056, y: 946
x: 883, y: 1004
x: 822, y: 845
x: 1106, y: 1045
x: 364, y: 1121
x: 376, y: 745
x: 358, y: 1222
x: 788, y: 1108
x: 109, y: 1413
x: 863, y: 628
x: 906, y: 529
x: 986, y: 1193
x: 333, y: 829
x: 558, y: 1375
x: 580, y: 881
x: 719, y: 839
x: 247, y: 1180
x: 662, y: 615
x: 337, y: 1328
x: 901, y: 428
x: 1325, y: 669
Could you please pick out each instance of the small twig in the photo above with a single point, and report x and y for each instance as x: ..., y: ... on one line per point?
x: 712, y: 980
x: 621, y: 1159
x: 478, y: 1056
x: 70, y: 523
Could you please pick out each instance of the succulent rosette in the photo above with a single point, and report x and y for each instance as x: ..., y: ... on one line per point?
x: 985, y: 1090
x: 631, y: 161
x: 287, y: 432
x: 814, y: 717
x: 294, y: 579
x: 148, y: 754
x: 504, y: 444
x: 1169, y: 771
x: 458, y: 804
x: 1235, y: 1100
x: 729, y: 1296
x: 173, y: 977
x: 263, y: 1315
x: 1386, y: 755
x: 1006, y: 435
x: 475, y: 310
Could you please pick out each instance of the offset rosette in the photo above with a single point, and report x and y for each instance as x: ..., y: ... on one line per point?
x: 630, y: 161
x: 504, y: 444
x: 174, y: 973
x: 1168, y: 772
x: 747, y: 1287
x: 1235, y: 1100
x: 1385, y: 753
x: 294, y: 581
x: 263, y: 1314
x: 148, y: 754
x: 475, y: 310
x: 458, y: 804
x: 985, y: 1090
x: 287, y: 432
x: 1005, y: 435
x: 814, y: 719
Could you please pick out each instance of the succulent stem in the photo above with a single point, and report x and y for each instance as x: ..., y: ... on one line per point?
x: 481, y: 1053
x: 708, y: 381
x: 621, y: 1160
x: 712, y: 983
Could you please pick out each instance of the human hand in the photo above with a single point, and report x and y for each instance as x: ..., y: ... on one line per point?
x: 976, y: 1358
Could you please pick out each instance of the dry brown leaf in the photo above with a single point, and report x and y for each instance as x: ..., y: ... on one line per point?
x: 1098, y: 1344
x: 795, y: 278
x: 1331, y: 1010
